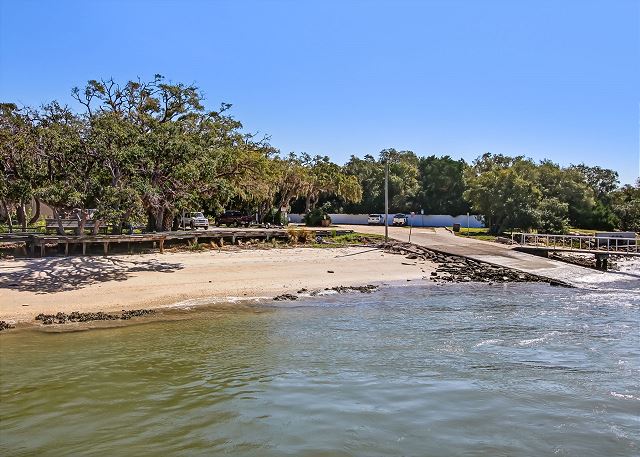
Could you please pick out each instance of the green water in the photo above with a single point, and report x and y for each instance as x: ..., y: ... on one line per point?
x: 463, y: 370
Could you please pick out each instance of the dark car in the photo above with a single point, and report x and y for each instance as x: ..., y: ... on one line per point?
x: 233, y: 218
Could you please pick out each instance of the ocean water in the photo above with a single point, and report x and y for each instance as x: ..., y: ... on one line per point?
x: 455, y: 370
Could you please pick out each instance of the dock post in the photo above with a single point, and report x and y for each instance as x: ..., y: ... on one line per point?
x: 233, y: 239
x: 84, y: 248
x: 106, y: 247
x: 602, y: 262
x: 66, y: 248
x: 161, y: 243
x: 42, y: 248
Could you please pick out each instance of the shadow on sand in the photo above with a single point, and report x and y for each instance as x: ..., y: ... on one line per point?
x: 56, y: 274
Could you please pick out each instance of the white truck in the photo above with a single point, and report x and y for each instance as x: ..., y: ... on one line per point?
x: 194, y: 220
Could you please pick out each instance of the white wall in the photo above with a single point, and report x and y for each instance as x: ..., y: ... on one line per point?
x: 430, y: 220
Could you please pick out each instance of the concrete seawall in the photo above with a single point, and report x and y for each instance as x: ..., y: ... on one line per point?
x: 418, y: 220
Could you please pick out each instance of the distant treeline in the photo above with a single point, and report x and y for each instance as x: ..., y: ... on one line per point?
x: 142, y: 152
x: 510, y: 192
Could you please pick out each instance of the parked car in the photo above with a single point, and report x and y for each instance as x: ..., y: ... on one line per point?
x: 376, y: 219
x: 400, y: 219
x: 194, y: 220
x: 233, y: 218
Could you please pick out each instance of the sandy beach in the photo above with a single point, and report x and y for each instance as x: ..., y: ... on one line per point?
x: 29, y: 287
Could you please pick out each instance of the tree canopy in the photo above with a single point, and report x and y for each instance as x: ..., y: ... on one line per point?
x: 141, y: 152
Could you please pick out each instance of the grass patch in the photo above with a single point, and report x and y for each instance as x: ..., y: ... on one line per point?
x: 38, y: 227
x: 348, y: 239
x: 356, y: 237
x: 475, y: 233
x: 582, y: 231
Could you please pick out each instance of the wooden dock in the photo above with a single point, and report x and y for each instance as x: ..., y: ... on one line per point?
x: 37, y: 244
x: 600, y: 246
x: 626, y: 243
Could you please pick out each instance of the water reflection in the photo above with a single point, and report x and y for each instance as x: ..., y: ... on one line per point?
x: 462, y: 370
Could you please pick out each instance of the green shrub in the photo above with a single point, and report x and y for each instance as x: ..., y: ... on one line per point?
x: 317, y: 218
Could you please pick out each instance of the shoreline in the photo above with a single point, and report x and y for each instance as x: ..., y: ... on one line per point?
x: 155, y: 281
x: 184, y: 309
x: 78, y: 287
x: 190, y: 309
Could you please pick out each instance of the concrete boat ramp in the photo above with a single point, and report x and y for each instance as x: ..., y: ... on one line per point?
x: 440, y: 239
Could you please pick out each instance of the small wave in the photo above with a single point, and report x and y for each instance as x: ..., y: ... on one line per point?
x: 193, y: 302
x: 232, y: 299
x: 485, y: 342
x: 625, y: 396
x: 541, y: 339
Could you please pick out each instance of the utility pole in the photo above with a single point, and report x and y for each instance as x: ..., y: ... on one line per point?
x: 386, y: 200
x: 411, y: 224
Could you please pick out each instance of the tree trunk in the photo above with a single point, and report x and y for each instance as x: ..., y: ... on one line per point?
x: 36, y: 215
x: 56, y: 214
x: 501, y: 226
x: 82, y: 221
x: 96, y: 227
x: 22, y: 215
x: 8, y: 211
x: 159, y: 218
x: 151, y: 221
x: 167, y: 220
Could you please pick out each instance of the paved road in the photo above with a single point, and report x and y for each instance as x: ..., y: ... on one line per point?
x: 442, y: 240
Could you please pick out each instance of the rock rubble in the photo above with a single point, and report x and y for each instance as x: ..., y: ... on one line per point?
x: 76, y: 316
x: 339, y: 289
x: 5, y: 325
x: 452, y: 268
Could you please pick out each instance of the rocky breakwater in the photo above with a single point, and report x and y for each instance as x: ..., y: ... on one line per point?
x: 452, y: 268
x: 5, y: 325
x: 76, y: 316
x: 338, y: 289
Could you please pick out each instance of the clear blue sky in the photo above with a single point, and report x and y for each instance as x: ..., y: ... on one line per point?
x: 555, y: 79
